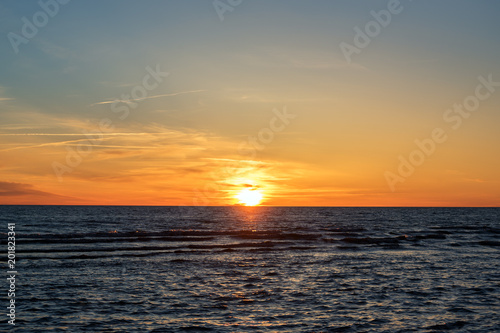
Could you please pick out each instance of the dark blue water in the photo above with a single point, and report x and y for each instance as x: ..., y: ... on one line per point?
x: 254, y: 269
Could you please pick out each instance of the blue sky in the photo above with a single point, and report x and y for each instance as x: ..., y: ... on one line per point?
x: 89, y: 42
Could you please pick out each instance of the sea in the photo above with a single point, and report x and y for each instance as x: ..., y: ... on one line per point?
x: 251, y: 269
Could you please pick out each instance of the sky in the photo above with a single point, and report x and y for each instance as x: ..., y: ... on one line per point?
x: 307, y: 103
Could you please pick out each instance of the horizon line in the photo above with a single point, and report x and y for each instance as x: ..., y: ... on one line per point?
x: 267, y: 206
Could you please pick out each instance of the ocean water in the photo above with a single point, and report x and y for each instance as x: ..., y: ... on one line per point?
x: 254, y: 269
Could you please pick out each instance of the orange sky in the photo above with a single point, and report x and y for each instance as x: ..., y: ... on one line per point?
x: 180, y: 108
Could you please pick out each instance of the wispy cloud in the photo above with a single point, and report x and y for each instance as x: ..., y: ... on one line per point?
x: 44, y: 145
x: 3, y: 98
x: 77, y: 134
x: 148, y: 97
x: 84, y: 139
x: 55, y: 50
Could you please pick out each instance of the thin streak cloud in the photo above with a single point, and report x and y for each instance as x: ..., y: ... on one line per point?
x: 148, y: 97
x: 76, y: 134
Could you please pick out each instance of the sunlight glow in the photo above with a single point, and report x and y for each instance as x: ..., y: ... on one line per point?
x: 249, y: 197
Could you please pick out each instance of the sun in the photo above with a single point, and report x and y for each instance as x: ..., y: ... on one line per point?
x: 249, y: 197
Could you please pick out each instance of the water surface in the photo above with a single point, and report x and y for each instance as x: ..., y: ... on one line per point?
x: 255, y: 269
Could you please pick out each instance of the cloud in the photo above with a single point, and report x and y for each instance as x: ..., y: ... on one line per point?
x: 46, y: 144
x: 55, y: 50
x: 3, y: 98
x: 148, y: 97
x: 12, y: 193
x: 19, y: 189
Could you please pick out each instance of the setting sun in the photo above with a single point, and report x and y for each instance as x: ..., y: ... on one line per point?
x: 249, y: 197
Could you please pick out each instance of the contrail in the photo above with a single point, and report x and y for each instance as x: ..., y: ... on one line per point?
x: 149, y: 97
